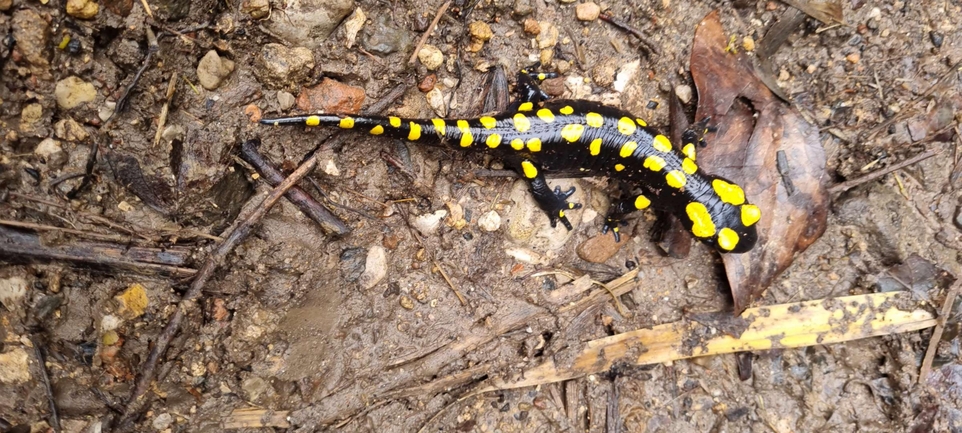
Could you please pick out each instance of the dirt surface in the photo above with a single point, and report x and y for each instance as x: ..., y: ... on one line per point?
x: 367, y: 331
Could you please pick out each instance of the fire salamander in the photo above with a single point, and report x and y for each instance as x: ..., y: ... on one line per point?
x: 537, y: 135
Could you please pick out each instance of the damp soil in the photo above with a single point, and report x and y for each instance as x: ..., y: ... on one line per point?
x: 388, y: 327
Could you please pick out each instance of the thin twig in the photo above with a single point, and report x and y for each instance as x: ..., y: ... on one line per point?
x: 939, y: 328
x: 849, y: 184
x: 48, y: 390
x: 238, y: 233
x: 644, y: 39
x: 427, y: 33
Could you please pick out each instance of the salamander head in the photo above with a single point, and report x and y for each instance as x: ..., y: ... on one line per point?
x: 724, y: 220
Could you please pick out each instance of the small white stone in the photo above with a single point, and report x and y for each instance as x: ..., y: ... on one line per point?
x: 14, y: 366
x: 683, y: 92
x: 163, y: 421
x: 490, y: 221
x: 12, y: 290
x: 431, y: 57
x: 625, y: 74
x: 352, y: 25
x: 110, y: 322
x: 331, y: 169
x: 375, y: 267
x: 428, y: 224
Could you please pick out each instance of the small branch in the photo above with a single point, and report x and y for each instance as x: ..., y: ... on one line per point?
x: 937, y: 332
x: 48, y: 390
x: 849, y: 184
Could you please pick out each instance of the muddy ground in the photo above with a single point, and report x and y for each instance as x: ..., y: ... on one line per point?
x: 366, y: 332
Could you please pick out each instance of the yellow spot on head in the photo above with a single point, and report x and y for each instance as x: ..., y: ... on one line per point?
x: 654, y: 163
x: 521, y: 123
x: 676, y: 179
x: 525, y: 106
x: 619, y: 167
x: 689, y: 166
x: 394, y: 121
x: 628, y: 149
x: 415, y: 132
x: 689, y: 151
x: 346, y: 123
x: 572, y: 132
x: 642, y: 202
x: 661, y: 143
x: 641, y: 122
x: 701, y: 223
x: 534, y: 144
x: 439, y: 126
x: 595, y: 147
x: 727, y: 239
x: 529, y: 169
x: 566, y: 110
x: 594, y: 120
x: 626, y: 126
x: 377, y: 130
x: 493, y: 140
x: 467, y: 139
x: 546, y: 115
x: 728, y: 192
x: 517, y: 144
x: 312, y: 121
x: 750, y: 214
x: 488, y: 122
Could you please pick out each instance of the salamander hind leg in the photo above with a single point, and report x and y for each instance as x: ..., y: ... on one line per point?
x: 615, y: 219
x: 553, y: 202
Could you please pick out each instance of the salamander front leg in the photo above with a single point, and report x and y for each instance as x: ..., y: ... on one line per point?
x: 553, y: 202
x: 615, y: 219
x: 528, y: 91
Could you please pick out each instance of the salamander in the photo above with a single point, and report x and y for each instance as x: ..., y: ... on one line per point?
x: 538, y: 135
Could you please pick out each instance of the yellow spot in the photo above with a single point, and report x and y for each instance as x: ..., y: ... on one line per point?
x: 542, y: 76
x: 463, y: 127
x: 641, y: 122
x: 595, y: 147
x: 415, y: 132
x: 572, y: 132
x: 566, y: 110
x: 594, y: 120
x: 312, y: 121
x: 654, y: 163
x: 750, y: 214
x: 728, y: 192
x: 467, y: 139
x: 529, y: 170
x: 517, y: 144
x: 561, y: 214
x: 525, y: 106
x: 626, y: 126
x: 727, y: 239
x: 394, y: 121
x: 488, y: 122
x: 642, y: 202
x: 689, y: 166
x: 676, y: 179
x: 546, y: 115
x: 689, y: 151
x: 619, y: 167
x: 628, y: 149
x: 377, y: 130
x: 346, y: 123
x: 521, y: 123
x: 534, y: 144
x: 439, y: 126
x: 701, y: 223
x: 661, y: 143
x: 493, y: 140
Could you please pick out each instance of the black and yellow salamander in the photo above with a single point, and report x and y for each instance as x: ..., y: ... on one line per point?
x: 537, y: 135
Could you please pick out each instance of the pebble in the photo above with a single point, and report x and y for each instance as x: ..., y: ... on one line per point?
x: 600, y: 248
x: 110, y: 322
x: 14, y: 366
x: 406, y: 303
x: 12, y: 291
x: 32, y: 34
x: 285, y: 100
x: 353, y: 25
x: 748, y: 43
x: 568, y: 1
x: 853, y: 58
x: 253, y: 113
x: 684, y: 93
x: 522, y: 8
x: 330, y: 168
x: 255, y: 387
x: 162, y: 421
x: 490, y: 221
x: 52, y: 153
x: 375, y: 267
x: 428, y: 83
x: 83, y: 9
x: 431, y: 57
x: 548, y: 36
x: 71, y: 92
x: 282, y: 67
x: 5, y: 5
x: 31, y: 119
x: 257, y: 9
x: 330, y: 97
x: 213, y: 69
x: 531, y: 26
x: 386, y: 39
x: 133, y: 301
x: 480, y: 33
x: 587, y: 11
x: 625, y: 74
x: 436, y: 100
x: 308, y: 23
x: 70, y: 130
x: 428, y: 223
